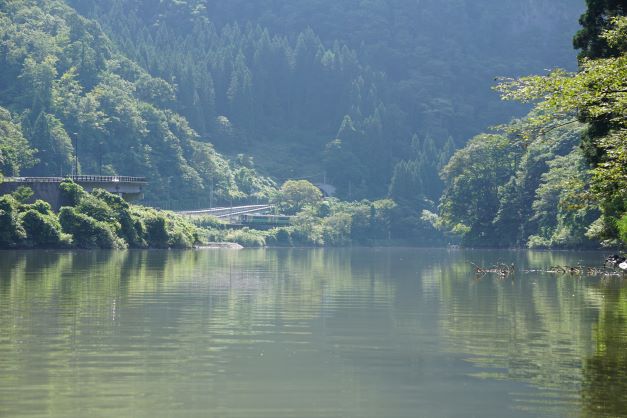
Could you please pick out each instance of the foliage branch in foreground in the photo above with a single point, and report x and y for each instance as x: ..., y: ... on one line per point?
x: 597, y: 92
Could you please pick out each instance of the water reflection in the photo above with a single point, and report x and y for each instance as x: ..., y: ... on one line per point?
x: 605, y: 371
x: 307, y: 333
x: 531, y: 328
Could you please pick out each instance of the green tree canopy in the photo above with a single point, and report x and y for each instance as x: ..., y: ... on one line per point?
x: 472, y: 179
x: 15, y: 152
x: 597, y: 92
x: 294, y: 195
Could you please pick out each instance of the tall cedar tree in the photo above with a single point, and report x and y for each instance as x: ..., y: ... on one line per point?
x: 594, y: 22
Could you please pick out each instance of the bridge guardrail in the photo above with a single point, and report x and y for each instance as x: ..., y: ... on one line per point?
x: 83, y: 179
x: 197, y: 203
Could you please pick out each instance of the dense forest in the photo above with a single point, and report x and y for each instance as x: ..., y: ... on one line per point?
x: 558, y: 177
x: 224, y: 101
x: 64, y: 85
x: 336, y: 91
x: 322, y: 88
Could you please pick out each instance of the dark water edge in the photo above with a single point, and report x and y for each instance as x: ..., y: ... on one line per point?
x: 359, y: 332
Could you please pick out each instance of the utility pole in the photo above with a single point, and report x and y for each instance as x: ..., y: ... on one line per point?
x: 211, y: 194
x: 75, y: 171
x: 100, y: 158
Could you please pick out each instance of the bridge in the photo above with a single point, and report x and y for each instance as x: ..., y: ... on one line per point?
x: 47, y: 188
x: 228, y: 213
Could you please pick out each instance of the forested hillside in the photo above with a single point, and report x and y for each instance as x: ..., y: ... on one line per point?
x: 341, y: 88
x: 373, y: 97
x: 558, y: 177
x: 63, y: 84
x: 504, y: 193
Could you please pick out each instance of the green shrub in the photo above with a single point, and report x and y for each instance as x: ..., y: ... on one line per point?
x: 40, y: 206
x: 156, y: 231
x: 160, y: 229
x: 87, y: 232
x: 621, y: 225
x: 246, y: 237
x: 283, y: 236
x: 180, y: 239
x: 42, y: 230
x: 279, y: 237
x: 213, y: 235
x: 140, y: 229
x: 98, y: 209
x: 22, y: 194
x: 12, y: 233
x: 114, y: 201
x: 97, y: 220
x: 324, y: 209
x: 70, y: 193
x: 207, y: 221
x: 538, y: 242
x: 129, y: 227
x: 178, y: 224
x: 92, y: 222
x: 307, y: 230
x: 337, y: 229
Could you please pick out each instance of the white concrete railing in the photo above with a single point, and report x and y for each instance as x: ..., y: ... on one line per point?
x: 78, y: 179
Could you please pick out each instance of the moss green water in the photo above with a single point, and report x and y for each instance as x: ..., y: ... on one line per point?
x: 307, y: 333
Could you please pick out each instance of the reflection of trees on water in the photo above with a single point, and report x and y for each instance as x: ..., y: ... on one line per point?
x: 292, y: 284
x: 309, y: 276
x: 604, y: 389
x: 63, y: 310
x: 537, y: 328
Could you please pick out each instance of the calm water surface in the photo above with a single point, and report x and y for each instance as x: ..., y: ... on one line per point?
x: 308, y: 333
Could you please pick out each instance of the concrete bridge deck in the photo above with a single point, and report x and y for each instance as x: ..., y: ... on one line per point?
x: 47, y: 188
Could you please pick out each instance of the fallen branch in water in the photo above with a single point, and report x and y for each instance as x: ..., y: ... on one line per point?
x: 580, y: 270
x: 503, y: 270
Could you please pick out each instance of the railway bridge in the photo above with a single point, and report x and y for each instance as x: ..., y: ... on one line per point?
x: 251, y: 216
x: 229, y: 213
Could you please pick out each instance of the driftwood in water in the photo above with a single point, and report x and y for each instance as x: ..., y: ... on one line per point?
x: 503, y: 270
x: 583, y: 271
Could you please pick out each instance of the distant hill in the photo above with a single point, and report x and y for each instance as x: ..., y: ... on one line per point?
x: 63, y: 82
x: 371, y: 96
x: 340, y: 86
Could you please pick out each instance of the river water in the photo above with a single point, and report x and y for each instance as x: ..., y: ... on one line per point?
x: 308, y: 333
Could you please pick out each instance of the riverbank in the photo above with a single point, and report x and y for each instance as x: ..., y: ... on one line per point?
x: 97, y: 220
